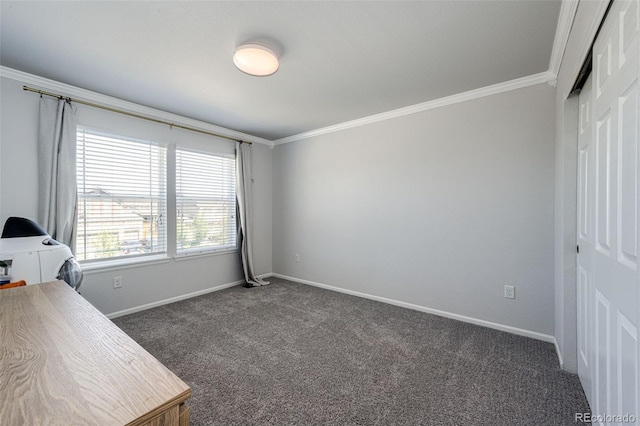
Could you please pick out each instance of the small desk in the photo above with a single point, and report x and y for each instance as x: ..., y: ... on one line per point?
x: 63, y: 362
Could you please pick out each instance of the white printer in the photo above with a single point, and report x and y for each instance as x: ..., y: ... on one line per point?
x: 28, y: 253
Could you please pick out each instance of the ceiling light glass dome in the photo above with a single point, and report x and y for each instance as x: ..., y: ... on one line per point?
x: 256, y: 60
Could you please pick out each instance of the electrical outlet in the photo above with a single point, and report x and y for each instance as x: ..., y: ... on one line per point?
x: 510, y: 291
x: 297, y: 257
x: 117, y: 282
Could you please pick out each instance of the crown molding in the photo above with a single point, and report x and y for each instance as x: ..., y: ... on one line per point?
x: 519, y: 83
x: 98, y: 98
x: 568, y: 10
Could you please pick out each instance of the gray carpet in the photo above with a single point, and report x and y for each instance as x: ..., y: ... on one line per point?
x: 289, y: 353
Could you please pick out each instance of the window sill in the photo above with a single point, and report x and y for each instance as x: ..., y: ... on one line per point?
x: 95, y: 267
x: 196, y: 254
x: 111, y: 265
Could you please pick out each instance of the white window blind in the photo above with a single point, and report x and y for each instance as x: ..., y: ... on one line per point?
x: 205, y: 201
x: 122, y: 197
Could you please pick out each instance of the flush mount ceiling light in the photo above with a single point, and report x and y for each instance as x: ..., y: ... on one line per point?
x: 254, y: 59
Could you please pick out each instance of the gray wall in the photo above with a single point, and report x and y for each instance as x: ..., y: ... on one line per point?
x: 440, y: 209
x: 141, y: 284
x: 588, y: 16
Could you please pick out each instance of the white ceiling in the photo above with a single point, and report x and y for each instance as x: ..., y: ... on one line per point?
x: 340, y: 60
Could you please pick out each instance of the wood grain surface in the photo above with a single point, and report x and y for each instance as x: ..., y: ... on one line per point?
x: 63, y: 362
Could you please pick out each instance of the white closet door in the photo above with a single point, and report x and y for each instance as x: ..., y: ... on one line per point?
x: 614, y: 250
x: 584, y: 291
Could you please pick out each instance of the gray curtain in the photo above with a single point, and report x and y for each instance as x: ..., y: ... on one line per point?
x: 244, y: 182
x: 57, y: 195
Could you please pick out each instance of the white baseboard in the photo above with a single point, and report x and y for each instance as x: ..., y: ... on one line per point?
x: 172, y: 300
x: 179, y: 298
x: 489, y: 324
x: 560, y: 359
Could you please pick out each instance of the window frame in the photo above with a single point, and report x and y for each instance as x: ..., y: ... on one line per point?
x: 171, y: 253
x: 127, y: 258
x: 205, y: 250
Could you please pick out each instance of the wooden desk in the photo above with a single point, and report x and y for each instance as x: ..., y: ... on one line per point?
x: 62, y: 362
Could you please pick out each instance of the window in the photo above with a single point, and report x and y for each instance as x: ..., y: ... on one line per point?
x: 125, y: 186
x: 122, y: 197
x: 205, y: 202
